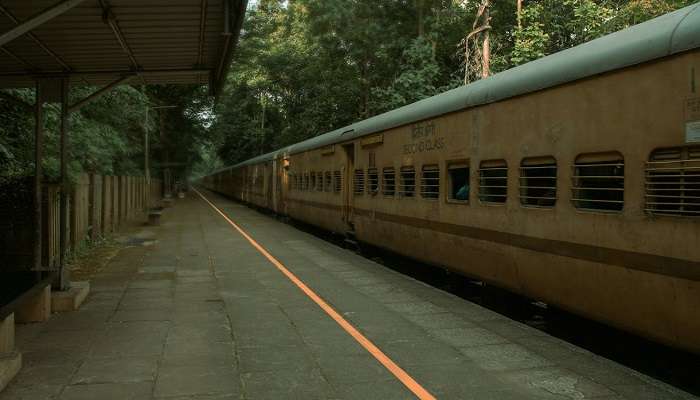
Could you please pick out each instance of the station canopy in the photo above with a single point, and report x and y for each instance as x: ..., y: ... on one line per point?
x: 107, y: 42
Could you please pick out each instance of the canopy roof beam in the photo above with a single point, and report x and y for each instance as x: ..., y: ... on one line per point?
x: 18, y: 101
x: 87, y: 74
x: 230, y: 34
x: 110, y: 19
x: 40, y: 18
x: 99, y: 41
x: 202, y: 27
x: 96, y: 95
x: 36, y: 40
x: 27, y: 65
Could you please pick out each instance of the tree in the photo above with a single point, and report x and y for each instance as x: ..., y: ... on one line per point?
x: 306, y: 67
x: 531, y: 41
x: 477, y: 45
x: 417, y: 78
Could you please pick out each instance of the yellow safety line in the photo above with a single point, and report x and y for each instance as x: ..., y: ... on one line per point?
x: 387, y: 362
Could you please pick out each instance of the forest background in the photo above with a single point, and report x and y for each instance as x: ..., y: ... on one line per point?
x: 305, y: 67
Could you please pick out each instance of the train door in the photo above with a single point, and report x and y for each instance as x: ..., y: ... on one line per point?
x: 282, y: 185
x: 349, y: 150
x: 275, y: 184
x: 269, y: 177
x: 278, y: 180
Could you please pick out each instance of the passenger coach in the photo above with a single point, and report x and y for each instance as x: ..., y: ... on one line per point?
x: 573, y: 179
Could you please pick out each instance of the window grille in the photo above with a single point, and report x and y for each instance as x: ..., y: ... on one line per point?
x: 673, y: 182
x: 599, y: 182
x: 372, y: 181
x: 430, y: 182
x: 319, y: 181
x: 493, y: 182
x: 359, y: 182
x: 538, y: 182
x: 338, y: 181
x: 312, y: 181
x: 389, y: 181
x: 293, y: 182
x: 407, y: 182
x: 458, y: 181
x: 328, y: 182
x: 305, y: 184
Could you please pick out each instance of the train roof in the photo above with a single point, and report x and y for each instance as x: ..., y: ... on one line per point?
x: 660, y: 37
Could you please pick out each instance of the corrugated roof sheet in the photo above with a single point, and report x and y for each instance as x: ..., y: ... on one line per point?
x: 660, y: 37
x: 172, y: 41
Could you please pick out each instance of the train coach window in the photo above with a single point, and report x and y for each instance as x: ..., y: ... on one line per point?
x: 458, y: 181
x: 359, y: 182
x: 337, y: 181
x: 319, y: 181
x: 493, y: 181
x: 430, y: 182
x: 312, y: 181
x: 389, y: 181
x: 305, y: 182
x: 372, y: 181
x: 673, y: 182
x: 407, y: 183
x: 538, y: 182
x: 599, y: 182
x: 327, y: 181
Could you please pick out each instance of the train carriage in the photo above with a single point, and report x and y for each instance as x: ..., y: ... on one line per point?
x: 573, y: 179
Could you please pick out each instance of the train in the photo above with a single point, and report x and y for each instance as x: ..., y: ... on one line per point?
x: 573, y: 180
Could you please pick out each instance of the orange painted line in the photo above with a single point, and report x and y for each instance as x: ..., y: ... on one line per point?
x: 383, y: 359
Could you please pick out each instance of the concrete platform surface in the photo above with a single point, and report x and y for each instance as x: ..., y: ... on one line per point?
x: 192, y: 311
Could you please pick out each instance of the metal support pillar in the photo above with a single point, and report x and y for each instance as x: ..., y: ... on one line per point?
x: 63, y: 282
x: 166, y: 155
x: 38, y: 175
x: 146, y: 166
x: 146, y: 151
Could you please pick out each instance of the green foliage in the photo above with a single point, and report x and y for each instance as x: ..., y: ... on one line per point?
x: 100, y: 140
x: 417, y: 79
x: 15, y: 149
x: 306, y: 67
x: 531, y: 40
x: 302, y: 68
x: 181, y: 131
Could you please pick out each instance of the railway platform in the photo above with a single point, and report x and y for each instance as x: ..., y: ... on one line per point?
x: 222, y: 302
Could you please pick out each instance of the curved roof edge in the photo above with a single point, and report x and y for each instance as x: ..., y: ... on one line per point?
x: 660, y: 37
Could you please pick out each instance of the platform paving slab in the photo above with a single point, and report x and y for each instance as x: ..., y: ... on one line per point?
x: 190, y: 310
